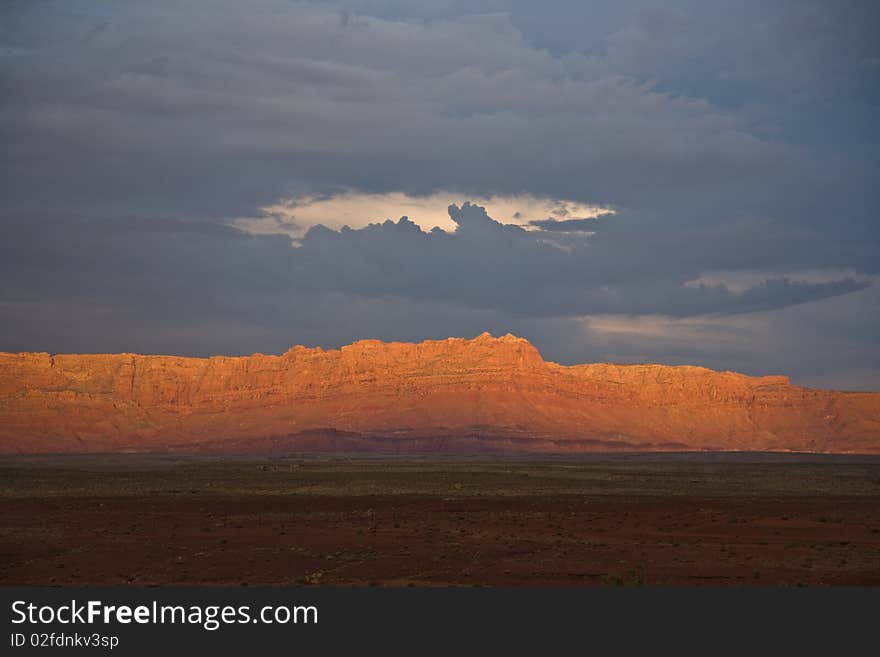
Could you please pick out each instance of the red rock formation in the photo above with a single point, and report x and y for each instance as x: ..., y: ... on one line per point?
x: 482, y: 394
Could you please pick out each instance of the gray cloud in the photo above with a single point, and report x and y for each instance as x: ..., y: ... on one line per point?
x: 215, y: 119
x: 176, y: 268
x: 486, y: 264
x: 569, y: 225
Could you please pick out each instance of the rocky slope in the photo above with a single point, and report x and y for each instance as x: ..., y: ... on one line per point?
x: 486, y: 394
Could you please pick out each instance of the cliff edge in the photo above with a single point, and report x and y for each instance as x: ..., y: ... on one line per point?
x: 485, y: 394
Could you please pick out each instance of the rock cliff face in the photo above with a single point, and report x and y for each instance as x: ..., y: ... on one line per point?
x: 485, y: 394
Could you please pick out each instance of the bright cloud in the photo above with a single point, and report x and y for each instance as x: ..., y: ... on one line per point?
x: 740, y: 281
x: 293, y: 217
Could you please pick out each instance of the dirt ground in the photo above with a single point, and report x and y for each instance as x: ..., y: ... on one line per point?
x: 741, y: 520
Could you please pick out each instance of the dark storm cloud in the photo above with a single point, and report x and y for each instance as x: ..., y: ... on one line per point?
x: 182, y: 269
x: 568, y: 225
x: 217, y: 112
x: 486, y: 264
x: 727, y: 138
x: 162, y: 268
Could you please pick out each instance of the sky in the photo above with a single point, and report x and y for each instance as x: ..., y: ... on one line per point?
x: 627, y: 181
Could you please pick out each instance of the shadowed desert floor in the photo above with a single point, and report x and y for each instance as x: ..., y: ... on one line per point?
x: 698, y: 519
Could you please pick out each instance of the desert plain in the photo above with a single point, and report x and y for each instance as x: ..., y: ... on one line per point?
x: 687, y: 519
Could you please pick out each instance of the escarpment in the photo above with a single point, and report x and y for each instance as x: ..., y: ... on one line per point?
x: 485, y: 394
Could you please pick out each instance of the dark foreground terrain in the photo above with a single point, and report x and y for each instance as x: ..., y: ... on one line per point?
x: 730, y: 519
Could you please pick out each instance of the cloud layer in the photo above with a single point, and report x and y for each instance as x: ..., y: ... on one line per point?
x: 140, y: 141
